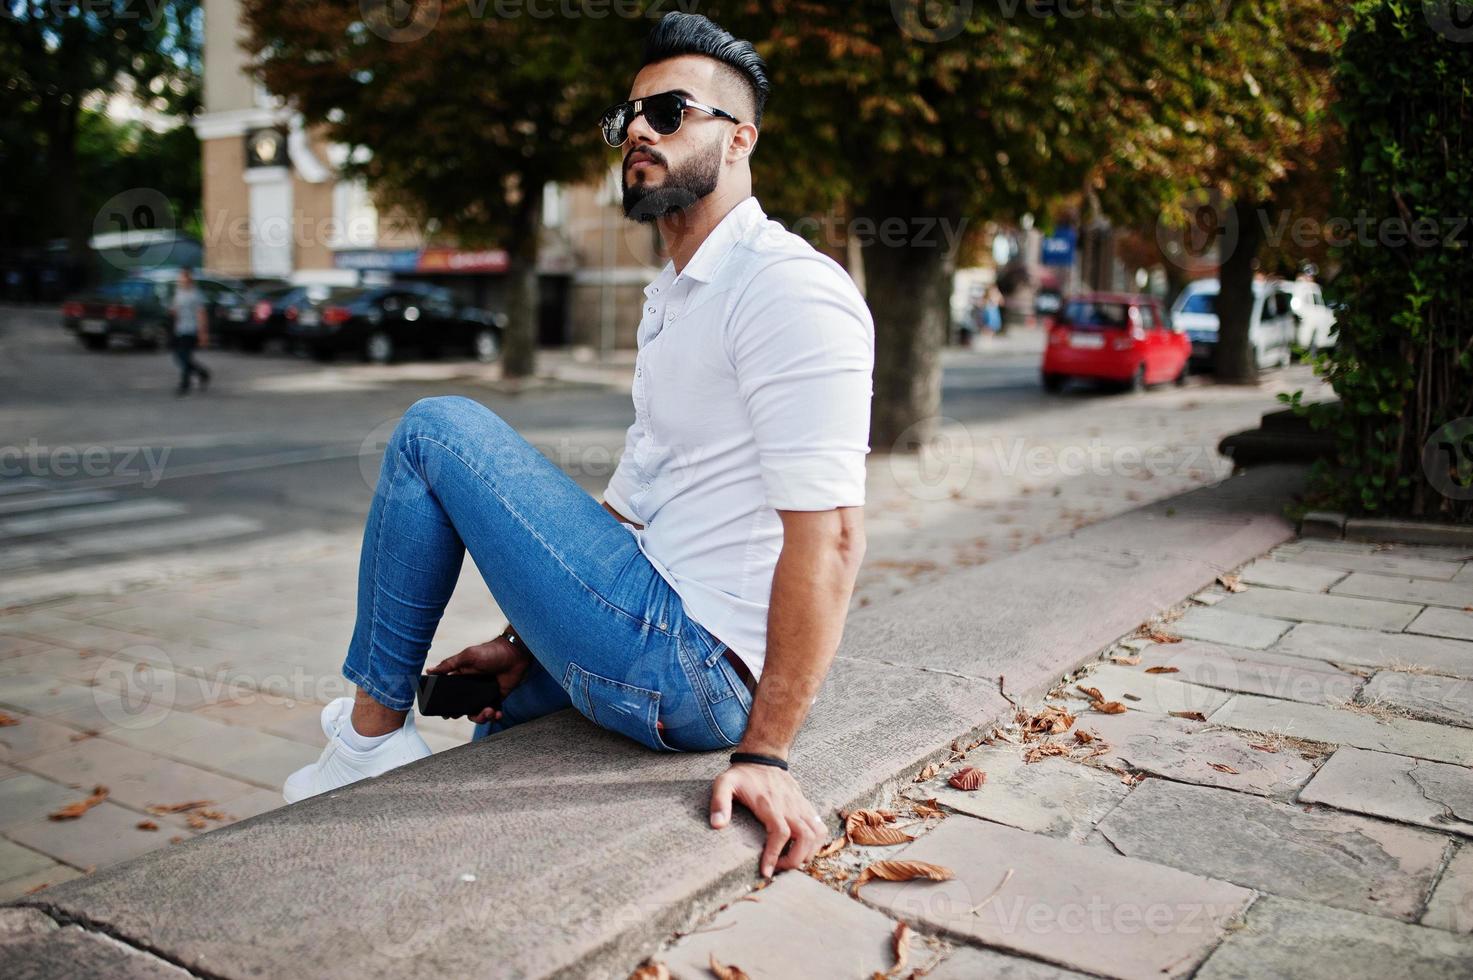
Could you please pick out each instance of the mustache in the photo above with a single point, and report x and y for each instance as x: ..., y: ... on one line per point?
x: 645, y: 153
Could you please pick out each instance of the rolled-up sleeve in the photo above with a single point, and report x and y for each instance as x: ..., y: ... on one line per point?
x: 802, y: 342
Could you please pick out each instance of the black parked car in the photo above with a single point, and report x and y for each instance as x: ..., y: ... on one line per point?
x: 377, y: 323
x: 137, y: 309
x: 258, y: 316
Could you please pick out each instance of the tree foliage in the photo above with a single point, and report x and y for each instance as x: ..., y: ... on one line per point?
x: 1403, y: 364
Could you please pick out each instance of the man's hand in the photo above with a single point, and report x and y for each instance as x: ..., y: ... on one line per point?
x: 773, y: 796
x: 506, y: 660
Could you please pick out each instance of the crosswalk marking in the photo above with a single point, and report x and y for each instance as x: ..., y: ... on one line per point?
x: 22, y: 485
x: 63, y: 498
x: 95, y: 516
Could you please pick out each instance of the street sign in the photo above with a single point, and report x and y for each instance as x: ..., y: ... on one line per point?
x: 1058, y: 248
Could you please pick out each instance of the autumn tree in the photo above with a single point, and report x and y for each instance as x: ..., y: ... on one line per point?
x: 468, y: 108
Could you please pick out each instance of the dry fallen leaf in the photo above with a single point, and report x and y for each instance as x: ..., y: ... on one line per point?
x: 195, y: 821
x: 926, y: 808
x: 868, y: 818
x: 727, y: 972
x: 146, y: 825
x: 1163, y: 670
x: 1130, y: 780
x: 1109, y: 707
x: 1049, y: 721
x: 1189, y: 715
x: 213, y: 815
x: 1223, y: 767
x: 1093, y: 693
x: 7, y: 720
x: 926, y: 773
x: 968, y: 778
x: 1157, y: 636
x: 36, y: 888
x: 901, y: 947
x: 176, y: 839
x: 161, y: 809
x: 1126, y: 659
x: 832, y: 847
x: 1083, y: 737
x: 867, y: 836
x: 1232, y: 583
x: 1261, y: 747
x: 74, y: 810
x: 650, y: 970
x: 1047, y: 748
x: 902, y: 871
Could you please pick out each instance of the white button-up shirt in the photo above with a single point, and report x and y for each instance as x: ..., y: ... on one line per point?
x: 751, y: 395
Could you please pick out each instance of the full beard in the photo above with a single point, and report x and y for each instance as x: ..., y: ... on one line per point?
x: 681, y: 189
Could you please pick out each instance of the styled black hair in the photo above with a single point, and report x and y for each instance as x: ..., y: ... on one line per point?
x: 679, y: 34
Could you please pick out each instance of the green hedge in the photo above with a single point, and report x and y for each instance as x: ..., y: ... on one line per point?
x: 1403, y: 364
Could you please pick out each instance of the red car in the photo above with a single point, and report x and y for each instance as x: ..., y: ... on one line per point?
x: 1120, y: 337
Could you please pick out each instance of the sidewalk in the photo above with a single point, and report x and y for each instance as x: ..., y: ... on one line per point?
x: 1286, y: 793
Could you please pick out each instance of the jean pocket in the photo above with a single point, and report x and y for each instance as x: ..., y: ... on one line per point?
x: 633, y: 712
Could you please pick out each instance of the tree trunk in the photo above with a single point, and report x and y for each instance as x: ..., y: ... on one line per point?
x: 519, y: 343
x: 908, y: 279
x: 1234, y: 361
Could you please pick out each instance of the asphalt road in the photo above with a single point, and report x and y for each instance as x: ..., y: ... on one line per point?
x: 99, y: 461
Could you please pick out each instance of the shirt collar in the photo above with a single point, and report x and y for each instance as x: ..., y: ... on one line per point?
x: 704, y: 265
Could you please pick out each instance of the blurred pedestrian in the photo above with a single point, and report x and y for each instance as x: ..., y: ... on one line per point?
x: 191, y: 331
x: 992, y: 310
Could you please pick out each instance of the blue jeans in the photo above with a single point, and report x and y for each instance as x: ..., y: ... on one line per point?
x: 609, y: 635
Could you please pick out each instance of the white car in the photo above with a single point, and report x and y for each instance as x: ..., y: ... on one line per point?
x: 1314, y: 320
x: 1271, y: 330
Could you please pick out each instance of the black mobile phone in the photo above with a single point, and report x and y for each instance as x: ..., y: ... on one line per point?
x: 453, y: 695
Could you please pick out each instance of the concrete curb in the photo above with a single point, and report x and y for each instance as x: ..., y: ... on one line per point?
x: 557, y: 849
x: 1328, y: 525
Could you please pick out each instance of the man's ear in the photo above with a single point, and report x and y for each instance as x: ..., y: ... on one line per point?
x: 743, y: 142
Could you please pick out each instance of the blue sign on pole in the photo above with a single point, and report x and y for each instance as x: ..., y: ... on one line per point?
x: 1058, y: 248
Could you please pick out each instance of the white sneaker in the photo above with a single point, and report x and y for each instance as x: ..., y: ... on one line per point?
x: 340, y: 765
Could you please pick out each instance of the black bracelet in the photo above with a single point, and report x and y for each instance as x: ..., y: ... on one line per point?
x: 753, y: 758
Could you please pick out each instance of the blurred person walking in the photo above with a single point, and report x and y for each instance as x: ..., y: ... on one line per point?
x: 191, y: 331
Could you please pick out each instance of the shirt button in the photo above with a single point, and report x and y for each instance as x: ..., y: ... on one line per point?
x: 653, y: 310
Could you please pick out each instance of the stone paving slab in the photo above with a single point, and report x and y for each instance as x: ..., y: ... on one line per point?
x: 795, y: 927
x: 1451, y: 904
x: 1215, y: 625
x: 32, y: 737
x: 1290, y: 575
x: 968, y: 963
x: 134, y: 778
x: 1176, y: 748
x: 1455, y: 624
x: 1371, y: 648
x: 1382, y: 563
x: 1298, y: 940
x: 1311, y: 607
x: 1050, y: 796
x: 1414, y: 590
x: 1338, y: 726
x: 1079, y: 907
x: 1445, y: 699
x: 1252, y: 671
x: 84, y: 707
x: 1156, y: 693
x: 1334, y: 858
x: 18, y: 889
x: 24, y: 797
x: 20, y: 862
x: 1465, y: 574
x: 240, y: 753
x: 1430, y: 794
x: 104, y: 835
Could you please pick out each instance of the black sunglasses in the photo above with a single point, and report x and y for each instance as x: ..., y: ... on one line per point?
x: 664, y: 113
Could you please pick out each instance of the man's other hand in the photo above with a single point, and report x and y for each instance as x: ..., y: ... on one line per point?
x: 507, y: 661
x: 773, y: 796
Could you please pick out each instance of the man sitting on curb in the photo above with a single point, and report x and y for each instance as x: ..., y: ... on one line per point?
x: 735, y: 511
